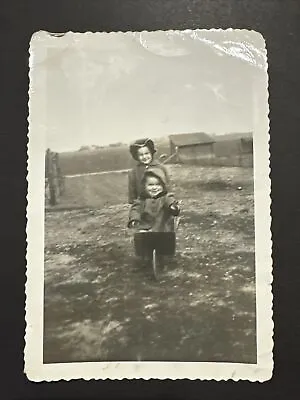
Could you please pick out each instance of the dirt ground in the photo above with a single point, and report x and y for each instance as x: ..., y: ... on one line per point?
x: 102, y: 304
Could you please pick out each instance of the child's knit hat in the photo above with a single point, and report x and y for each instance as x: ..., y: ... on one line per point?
x: 133, y: 148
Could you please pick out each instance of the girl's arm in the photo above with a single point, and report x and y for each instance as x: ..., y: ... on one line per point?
x: 132, y: 190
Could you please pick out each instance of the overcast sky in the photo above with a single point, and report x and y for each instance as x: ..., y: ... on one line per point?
x: 106, y: 88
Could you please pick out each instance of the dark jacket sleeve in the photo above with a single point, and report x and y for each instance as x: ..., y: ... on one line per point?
x: 132, y: 189
x: 170, y: 200
x: 135, y: 211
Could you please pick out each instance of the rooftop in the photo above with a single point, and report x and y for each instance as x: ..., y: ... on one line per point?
x: 189, y: 139
x: 234, y: 136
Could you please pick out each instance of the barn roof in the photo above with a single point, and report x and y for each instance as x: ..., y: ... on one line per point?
x: 190, y: 139
x: 234, y: 136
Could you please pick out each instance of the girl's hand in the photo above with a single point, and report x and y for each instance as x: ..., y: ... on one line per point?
x: 133, y: 224
x: 175, y: 208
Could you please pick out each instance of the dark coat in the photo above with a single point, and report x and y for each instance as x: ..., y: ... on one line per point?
x: 154, y: 213
x: 135, y: 177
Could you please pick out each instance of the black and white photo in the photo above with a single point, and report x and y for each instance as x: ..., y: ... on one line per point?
x: 149, y: 243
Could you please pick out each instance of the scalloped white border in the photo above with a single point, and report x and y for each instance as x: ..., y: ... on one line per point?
x: 34, y: 367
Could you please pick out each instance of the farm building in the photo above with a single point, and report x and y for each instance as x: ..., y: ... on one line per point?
x: 235, y: 149
x: 191, y: 148
x: 231, y: 149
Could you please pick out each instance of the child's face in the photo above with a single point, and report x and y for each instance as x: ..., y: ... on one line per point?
x: 153, y: 186
x: 144, y: 155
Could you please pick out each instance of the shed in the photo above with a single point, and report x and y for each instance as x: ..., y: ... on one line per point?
x: 192, y: 147
x: 234, y: 149
x: 231, y: 144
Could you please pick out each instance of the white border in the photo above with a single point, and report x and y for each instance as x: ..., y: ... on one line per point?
x: 34, y: 367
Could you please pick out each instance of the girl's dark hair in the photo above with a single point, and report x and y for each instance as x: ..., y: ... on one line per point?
x: 133, y: 148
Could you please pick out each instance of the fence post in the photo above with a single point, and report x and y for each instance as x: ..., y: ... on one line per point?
x: 52, y: 176
x: 52, y: 190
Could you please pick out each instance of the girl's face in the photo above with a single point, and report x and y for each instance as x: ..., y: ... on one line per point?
x: 153, y: 186
x: 144, y: 155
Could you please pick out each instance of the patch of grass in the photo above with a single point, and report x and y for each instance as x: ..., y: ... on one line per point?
x: 105, y: 159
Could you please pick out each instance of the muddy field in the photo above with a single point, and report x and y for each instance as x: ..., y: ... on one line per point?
x: 102, y: 304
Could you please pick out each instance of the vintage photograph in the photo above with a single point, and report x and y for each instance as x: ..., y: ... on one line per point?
x: 149, y: 243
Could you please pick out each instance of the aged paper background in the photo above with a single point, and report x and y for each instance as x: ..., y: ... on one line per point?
x: 34, y: 367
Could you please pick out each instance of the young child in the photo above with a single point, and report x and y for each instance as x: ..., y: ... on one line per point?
x: 142, y: 151
x: 155, y: 208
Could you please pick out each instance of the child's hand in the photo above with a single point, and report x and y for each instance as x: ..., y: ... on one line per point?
x: 133, y: 224
x: 175, y: 208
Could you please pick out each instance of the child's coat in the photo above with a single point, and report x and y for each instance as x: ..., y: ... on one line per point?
x: 154, y: 213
